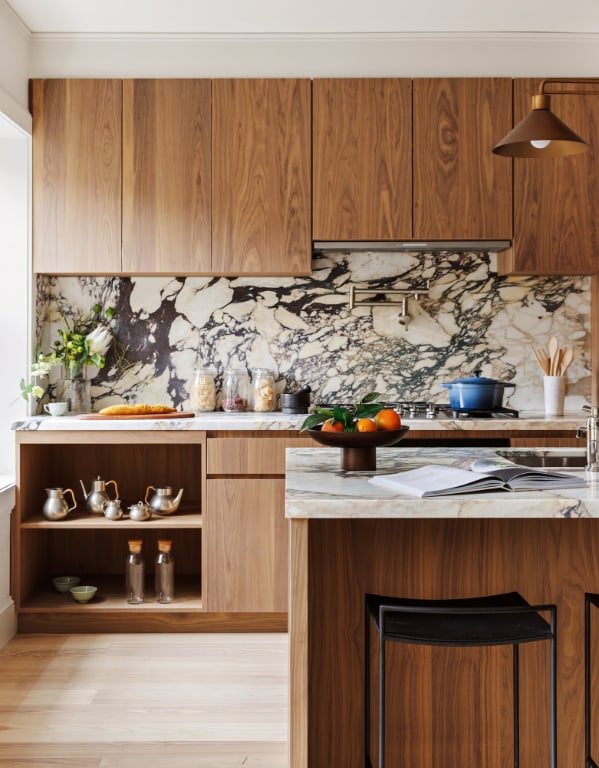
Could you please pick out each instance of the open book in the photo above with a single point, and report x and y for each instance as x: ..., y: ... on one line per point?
x: 472, y: 475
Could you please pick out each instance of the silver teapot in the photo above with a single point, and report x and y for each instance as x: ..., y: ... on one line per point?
x: 98, y: 495
x: 56, y: 507
x: 164, y: 501
x: 113, y: 510
x: 140, y: 512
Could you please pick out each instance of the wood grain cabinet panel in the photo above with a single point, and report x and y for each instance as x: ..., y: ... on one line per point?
x: 362, y: 177
x: 261, y: 199
x: 461, y: 190
x: 166, y: 176
x: 77, y: 176
x: 245, y: 525
x: 556, y: 201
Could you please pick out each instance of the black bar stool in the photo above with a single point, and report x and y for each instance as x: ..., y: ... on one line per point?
x: 590, y: 599
x: 505, y: 619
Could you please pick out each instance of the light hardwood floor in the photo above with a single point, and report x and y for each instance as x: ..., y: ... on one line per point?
x: 138, y: 701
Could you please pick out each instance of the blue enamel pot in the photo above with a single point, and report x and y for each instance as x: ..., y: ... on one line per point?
x: 476, y: 393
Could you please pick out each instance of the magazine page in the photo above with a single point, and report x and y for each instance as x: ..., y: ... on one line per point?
x: 438, y: 480
x: 519, y: 477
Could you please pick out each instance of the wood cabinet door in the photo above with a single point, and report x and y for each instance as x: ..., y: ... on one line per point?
x: 362, y: 168
x: 261, y: 155
x: 556, y: 201
x: 76, y: 176
x: 461, y: 189
x: 246, y: 545
x: 166, y: 176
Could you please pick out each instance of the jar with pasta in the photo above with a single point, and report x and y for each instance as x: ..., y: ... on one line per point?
x: 262, y: 394
x: 203, y: 390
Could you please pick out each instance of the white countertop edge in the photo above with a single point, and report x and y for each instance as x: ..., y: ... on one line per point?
x: 214, y: 421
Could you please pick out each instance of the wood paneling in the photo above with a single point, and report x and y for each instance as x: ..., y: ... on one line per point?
x: 261, y: 195
x: 246, y: 561
x: 556, y: 201
x: 456, y: 702
x: 166, y: 176
x: 362, y: 145
x: 77, y: 174
x: 251, y: 456
x: 461, y: 190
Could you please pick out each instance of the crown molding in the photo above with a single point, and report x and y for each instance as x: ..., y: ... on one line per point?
x: 15, y: 20
x: 331, y: 37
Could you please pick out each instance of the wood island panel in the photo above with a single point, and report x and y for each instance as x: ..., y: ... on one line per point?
x: 455, y: 702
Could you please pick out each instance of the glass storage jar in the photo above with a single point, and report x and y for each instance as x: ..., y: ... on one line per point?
x: 262, y: 395
x: 203, y: 390
x: 236, y: 387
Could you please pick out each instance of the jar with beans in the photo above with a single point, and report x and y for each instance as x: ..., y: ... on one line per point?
x: 236, y: 387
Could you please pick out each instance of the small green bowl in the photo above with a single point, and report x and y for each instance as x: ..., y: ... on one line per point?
x: 64, y: 583
x: 83, y: 594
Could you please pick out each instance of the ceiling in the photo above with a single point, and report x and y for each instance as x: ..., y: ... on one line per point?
x: 255, y: 17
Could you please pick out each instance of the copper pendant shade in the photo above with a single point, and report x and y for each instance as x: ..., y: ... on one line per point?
x: 541, y: 133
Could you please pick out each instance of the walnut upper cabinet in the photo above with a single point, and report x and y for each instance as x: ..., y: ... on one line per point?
x: 166, y: 176
x: 462, y: 191
x: 76, y: 176
x: 261, y: 197
x: 556, y: 201
x: 362, y: 166
x: 411, y: 159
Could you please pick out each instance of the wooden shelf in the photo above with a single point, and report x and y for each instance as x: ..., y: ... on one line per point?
x: 81, y: 520
x: 111, y: 597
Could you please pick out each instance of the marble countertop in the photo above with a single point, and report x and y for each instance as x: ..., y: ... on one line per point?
x: 317, y: 488
x: 250, y: 421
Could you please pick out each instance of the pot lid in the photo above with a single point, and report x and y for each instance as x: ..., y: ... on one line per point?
x: 478, y: 380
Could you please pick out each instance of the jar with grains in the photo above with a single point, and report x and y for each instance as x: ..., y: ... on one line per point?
x: 203, y: 390
x: 236, y: 387
x: 262, y: 396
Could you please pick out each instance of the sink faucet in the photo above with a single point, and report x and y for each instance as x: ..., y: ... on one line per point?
x: 591, y: 432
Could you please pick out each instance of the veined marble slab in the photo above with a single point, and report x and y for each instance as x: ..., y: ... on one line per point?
x: 317, y: 488
x: 284, y: 421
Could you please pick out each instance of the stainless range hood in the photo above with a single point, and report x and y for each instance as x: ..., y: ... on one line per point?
x: 419, y: 246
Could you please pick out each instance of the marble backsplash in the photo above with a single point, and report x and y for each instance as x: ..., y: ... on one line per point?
x: 303, y: 329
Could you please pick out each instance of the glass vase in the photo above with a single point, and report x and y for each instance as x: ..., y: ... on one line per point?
x: 74, y: 388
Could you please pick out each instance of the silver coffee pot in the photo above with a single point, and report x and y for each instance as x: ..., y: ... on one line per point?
x: 164, y: 501
x: 56, y: 507
x: 98, y: 495
x: 113, y: 509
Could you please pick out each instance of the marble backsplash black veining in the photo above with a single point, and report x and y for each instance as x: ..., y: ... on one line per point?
x: 303, y: 329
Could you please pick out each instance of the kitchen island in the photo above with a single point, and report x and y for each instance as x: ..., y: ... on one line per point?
x: 349, y: 537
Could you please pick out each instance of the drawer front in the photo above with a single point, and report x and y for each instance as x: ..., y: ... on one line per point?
x: 250, y: 456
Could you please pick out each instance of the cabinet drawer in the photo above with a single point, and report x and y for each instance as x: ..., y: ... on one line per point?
x: 250, y: 456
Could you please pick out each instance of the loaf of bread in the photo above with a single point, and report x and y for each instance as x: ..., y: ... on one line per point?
x: 138, y: 409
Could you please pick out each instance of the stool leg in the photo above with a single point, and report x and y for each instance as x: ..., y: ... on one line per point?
x: 367, y: 761
x: 382, y: 699
x: 553, y: 689
x: 516, y: 689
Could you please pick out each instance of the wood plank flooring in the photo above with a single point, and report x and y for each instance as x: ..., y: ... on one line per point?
x: 144, y: 700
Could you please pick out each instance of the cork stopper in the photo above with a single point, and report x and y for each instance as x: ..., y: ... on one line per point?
x: 134, y: 545
x: 164, y: 545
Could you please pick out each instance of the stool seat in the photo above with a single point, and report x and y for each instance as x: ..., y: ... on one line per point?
x: 501, y: 619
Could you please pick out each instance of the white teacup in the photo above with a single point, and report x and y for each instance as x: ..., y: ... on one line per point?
x: 56, y: 409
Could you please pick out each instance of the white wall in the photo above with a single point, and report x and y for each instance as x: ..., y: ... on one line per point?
x: 15, y: 275
x: 14, y: 67
x: 351, y: 55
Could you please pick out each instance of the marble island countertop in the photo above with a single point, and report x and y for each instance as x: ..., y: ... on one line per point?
x: 317, y: 488
x: 219, y: 420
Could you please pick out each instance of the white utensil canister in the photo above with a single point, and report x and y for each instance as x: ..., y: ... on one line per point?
x: 554, y: 388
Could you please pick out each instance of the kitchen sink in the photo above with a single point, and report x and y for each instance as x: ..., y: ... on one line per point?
x: 555, y: 459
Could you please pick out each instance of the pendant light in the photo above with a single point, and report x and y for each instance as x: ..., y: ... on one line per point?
x: 541, y: 133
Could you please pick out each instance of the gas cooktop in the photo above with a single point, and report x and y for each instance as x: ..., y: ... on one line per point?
x: 418, y: 409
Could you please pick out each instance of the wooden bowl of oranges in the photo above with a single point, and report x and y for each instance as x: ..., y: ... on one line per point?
x: 358, y: 430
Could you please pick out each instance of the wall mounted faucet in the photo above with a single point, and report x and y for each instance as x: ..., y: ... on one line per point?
x: 405, y: 293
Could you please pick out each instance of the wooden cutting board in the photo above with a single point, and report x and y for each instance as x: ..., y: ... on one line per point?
x: 102, y: 417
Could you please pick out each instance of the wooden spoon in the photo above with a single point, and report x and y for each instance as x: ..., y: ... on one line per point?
x: 566, y: 358
x: 553, y: 350
x: 542, y: 360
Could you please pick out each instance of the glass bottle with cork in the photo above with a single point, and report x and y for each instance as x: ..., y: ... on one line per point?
x: 135, y: 573
x: 164, y: 572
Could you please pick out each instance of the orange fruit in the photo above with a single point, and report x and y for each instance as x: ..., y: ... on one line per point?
x: 330, y: 425
x: 387, y: 419
x: 366, y: 425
